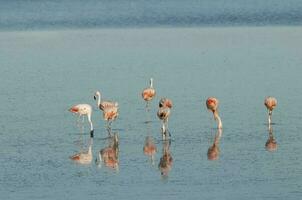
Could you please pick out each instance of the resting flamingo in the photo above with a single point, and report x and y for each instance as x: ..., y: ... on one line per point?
x: 109, y: 108
x: 83, y: 157
x: 270, y: 103
x: 163, y: 114
x: 82, y: 110
x: 149, y: 93
x: 212, y: 105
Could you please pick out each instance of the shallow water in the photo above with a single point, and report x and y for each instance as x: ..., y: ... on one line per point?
x: 43, y: 73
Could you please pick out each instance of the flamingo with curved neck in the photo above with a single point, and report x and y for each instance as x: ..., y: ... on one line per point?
x: 212, y: 105
x: 82, y: 110
x: 270, y: 103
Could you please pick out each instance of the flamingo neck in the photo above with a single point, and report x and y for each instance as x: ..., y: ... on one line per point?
x: 217, y: 118
x: 99, y: 100
x: 270, y: 117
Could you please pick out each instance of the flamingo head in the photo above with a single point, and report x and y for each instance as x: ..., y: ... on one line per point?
x: 74, y: 109
x: 212, y: 104
x: 97, y: 94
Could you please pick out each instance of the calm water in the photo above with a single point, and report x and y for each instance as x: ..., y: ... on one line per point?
x: 49, y: 14
x: 43, y: 73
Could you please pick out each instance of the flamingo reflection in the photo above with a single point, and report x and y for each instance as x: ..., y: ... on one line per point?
x: 109, y: 154
x: 166, y: 161
x: 214, y: 151
x: 271, y: 144
x: 84, y: 157
x: 150, y: 148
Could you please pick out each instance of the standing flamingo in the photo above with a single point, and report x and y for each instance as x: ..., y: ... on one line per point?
x: 270, y: 103
x: 109, y: 108
x: 163, y: 114
x: 81, y: 110
x: 148, y: 93
x: 83, y: 157
x: 212, y: 105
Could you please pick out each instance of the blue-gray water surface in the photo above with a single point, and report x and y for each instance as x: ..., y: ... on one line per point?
x: 49, y: 14
x: 44, y: 73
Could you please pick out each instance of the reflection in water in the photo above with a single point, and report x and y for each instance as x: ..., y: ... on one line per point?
x: 109, y: 154
x: 84, y: 157
x: 150, y: 148
x: 271, y: 144
x: 214, y: 151
x: 166, y: 161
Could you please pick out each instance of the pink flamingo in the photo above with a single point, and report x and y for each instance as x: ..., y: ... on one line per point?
x: 163, y: 114
x: 109, y: 108
x: 82, y: 110
x: 270, y: 103
x: 149, y: 93
x: 212, y: 105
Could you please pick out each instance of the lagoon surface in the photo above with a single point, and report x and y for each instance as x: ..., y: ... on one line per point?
x: 44, y: 73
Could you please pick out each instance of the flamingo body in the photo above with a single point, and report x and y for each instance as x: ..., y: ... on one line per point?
x: 165, y: 102
x: 149, y: 93
x: 163, y: 113
x: 110, y: 113
x: 270, y: 103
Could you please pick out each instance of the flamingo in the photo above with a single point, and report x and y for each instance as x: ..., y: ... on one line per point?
x: 213, y: 151
x: 150, y: 148
x: 270, y: 103
x: 82, y: 110
x: 166, y: 161
x: 212, y: 105
x: 163, y: 114
x: 149, y: 93
x: 109, y: 108
x: 83, y: 157
x: 109, y: 155
x: 164, y: 102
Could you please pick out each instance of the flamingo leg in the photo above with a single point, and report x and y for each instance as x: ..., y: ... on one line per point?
x: 91, y: 125
x: 147, y: 106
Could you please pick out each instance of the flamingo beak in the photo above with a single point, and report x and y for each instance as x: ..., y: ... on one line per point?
x: 94, y: 97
